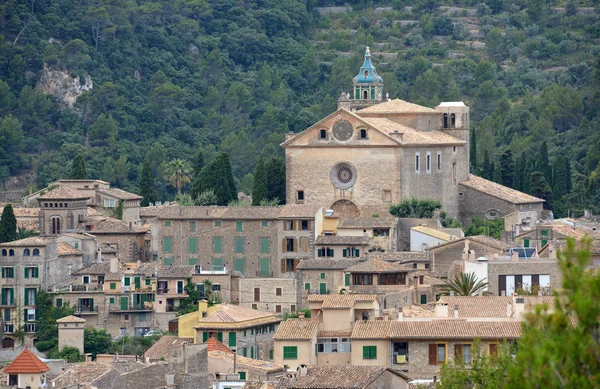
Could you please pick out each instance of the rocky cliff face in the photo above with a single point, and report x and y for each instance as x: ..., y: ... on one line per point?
x: 63, y: 86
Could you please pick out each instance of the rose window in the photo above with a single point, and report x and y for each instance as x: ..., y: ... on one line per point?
x: 343, y: 175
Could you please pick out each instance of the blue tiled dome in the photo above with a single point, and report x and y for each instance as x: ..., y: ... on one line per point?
x: 368, y: 74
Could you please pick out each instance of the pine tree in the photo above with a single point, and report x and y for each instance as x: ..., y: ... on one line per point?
x: 78, y: 171
x: 260, y: 188
x: 8, y: 225
x: 276, y: 179
x: 473, y: 151
x: 147, y: 183
x: 543, y: 164
x: 507, y: 168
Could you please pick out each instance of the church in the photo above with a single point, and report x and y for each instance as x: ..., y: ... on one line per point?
x: 374, y: 151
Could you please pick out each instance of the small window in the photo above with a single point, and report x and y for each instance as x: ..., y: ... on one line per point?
x: 366, y: 73
x: 417, y: 162
x: 86, y: 279
x: 304, y: 225
x: 277, y: 291
x: 387, y: 195
x: 168, y: 223
x: 264, y: 224
x: 26, y: 253
x: 452, y: 120
x: 239, y: 226
x: 322, y: 276
x: 110, y: 203
x: 290, y: 352
x: 454, y: 149
x: 300, y: 195
x: 218, y: 224
x: 363, y: 134
x: 365, y: 95
x: 369, y: 352
x: 254, y: 306
x: 428, y: 163
x: 192, y: 226
x: 439, y: 161
x: 322, y: 134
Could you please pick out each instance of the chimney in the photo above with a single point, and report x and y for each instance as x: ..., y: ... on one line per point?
x: 456, y: 311
x: 514, y: 257
x: 441, y: 310
x: 170, y: 378
x: 301, y: 318
x: 88, y: 357
x: 147, y: 361
x: 114, y: 265
x: 302, y: 370
x: 290, y: 135
x: 519, y: 306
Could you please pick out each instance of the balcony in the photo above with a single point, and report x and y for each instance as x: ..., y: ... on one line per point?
x: 264, y: 274
x: 7, y: 304
x: 86, y: 288
x: 131, y: 308
x: 86, y: 311
x: 209, y: 271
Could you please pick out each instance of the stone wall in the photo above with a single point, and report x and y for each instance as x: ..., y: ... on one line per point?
x: 404, y: 226
x: 334, y: 279
x: 269, y: 301
x: 523, y: 267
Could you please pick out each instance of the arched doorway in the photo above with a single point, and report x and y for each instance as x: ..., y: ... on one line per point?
x: 8, y: 343
x: 345, y: 208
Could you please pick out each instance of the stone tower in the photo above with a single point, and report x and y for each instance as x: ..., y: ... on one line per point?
x: 71, y: 332
x: 61, y: 210
x: 455, y: 121
x: 367, y: 89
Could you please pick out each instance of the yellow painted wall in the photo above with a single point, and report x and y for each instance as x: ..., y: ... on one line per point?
x: 187, y: 322
x: 337, y: 319
x: 306, y: 352
x: 383, y: 353
x: 337, y: 359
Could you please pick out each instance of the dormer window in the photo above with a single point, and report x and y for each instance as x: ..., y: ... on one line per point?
x: 322, y: 134
x: 366, y: 73
x: 363, y: 134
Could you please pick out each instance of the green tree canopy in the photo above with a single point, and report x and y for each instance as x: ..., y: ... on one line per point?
x: 260, y: 187
x: 147, y: 185
x: 8, y: 225
x: 415, y: 208
x: 78, y: 171
x: 466, y: 284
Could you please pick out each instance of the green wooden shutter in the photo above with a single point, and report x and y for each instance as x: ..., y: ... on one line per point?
x: 124, y: 303
x: 322, y: 288
x: 290, y: 352
x: 127, y: 281
x: 265, y: 264
x: 204, y: 336
x: 264, y: 245
x: 25, y: 271
x: 217, y: 263
x: 92, y: 305
x: 307, y: 285
x: 220, y: 336
x: 245, y: 352
x: 243, y: 375
x: 111, y: 300
x: 525, y: 243
x: 113, y: 285
x: 4, y: 296
x: 25, y: 314
x: 168, y: 261
x: 344, y: 252
x: 3, y: 273
x: 192, y: 245
x: 240, y: 265
x: 347, y: 279
x: 59, y: 302
x: 217, y: 245
x: 232, y: 339
x: 192, y: 261
x: 7, y: 314
x: 147, y: 281
x: 239, y: 245
x: 252, y: 352
x: 544, y: 242
x: 35, y: 272
x: 138, y: 282
x: 26, y: 296
x: 239, y: 226
x: 168, y: 244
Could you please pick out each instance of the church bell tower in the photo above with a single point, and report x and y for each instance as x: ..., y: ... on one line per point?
x: 367, y: 87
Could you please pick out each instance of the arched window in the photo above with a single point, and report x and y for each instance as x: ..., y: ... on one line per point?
x: 55, y: 225
x: 365, y: 95
x: 366, y: 73
x: 36, y: 252
x: 445, y: 124
x: 26, y: 252
x: 4, y: 252
x: 11, y: 253
x: 454, y: 173
x: 452, y: 120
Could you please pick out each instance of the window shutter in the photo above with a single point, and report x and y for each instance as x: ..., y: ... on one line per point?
x: 296, y: 263
x: 204, y: 336
x: 366, y: 352
x: 220, y: 336
x: 35, y: 272
x: 284, y: 245
x: 232, y: 339
x: 25, y: 271
x: 92, y: 305
x: 356, y: 252
x: 295, y: 244
x: 458, y: 354
x: 347, y: 279
x: 304, y: 243
x: 283, y: 265
x: 295, y: 225
x: 25, y: 314
x: 432, y: 354
x: 344, y: 252
x: 4, y: 296
x: 3, y: 272
x: 26, y: 296
x: 310, y: 225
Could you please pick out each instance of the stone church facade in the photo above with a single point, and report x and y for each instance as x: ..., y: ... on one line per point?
x: 371, y: 153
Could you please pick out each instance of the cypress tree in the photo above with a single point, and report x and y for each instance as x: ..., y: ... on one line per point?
x: 507, y: 168
x: 497, y: 175
x: 216, y: 176
x: 78, y: 171
x: 569, y: 179
x: 198, y: 163
x: 543, y: 164
x: 518, y: 176
x: 260, y: 188
x: 8, y: 225
x: 276, y: 179
x: 227, y: 172
x: 559, y: 189
x: 540, y: 188
x: 147, y: 182
x: 473, y: 151
x: 488, y: 167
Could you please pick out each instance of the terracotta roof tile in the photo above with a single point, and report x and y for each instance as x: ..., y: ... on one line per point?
x: 160, y: 349
x: 367, y: 222
x: 71, y: 319
x: 481, y: 239
x: 477, y: 306
x: 402, y: 256
x: 326, y: 264
x: 235, y: 316
x: 306, y: 211
x: 371, y: 329
x: 455, y: 329
x: 214, y: 345
x: 96, y: 268
x: 107, y: 225
x: 396, y: 106
x: 26, y: 362
x: 496, y: 190
x: 296, y: 329
x: 339, y: 377
x: 341, y: 301
x: 63, y: 248
x: 334, y: 334
x: 120, y: 194
x: 244, y: 362
x: 254, y: 385
x: 435, y: 233
x: 63, y: 193
x: 375, y: 265
x: 345, y: 240
x: 33, y: 241
x: 26, y: 212
x: 409, y: 136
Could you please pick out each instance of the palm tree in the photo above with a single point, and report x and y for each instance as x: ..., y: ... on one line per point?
x: 178, y: 173
x: 24, y: 232
x: 466, y: 284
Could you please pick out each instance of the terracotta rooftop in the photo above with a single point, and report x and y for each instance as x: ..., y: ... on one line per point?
x: 173, y: 271
x: 254, y: 385
x: 499, y: 191
x: 101, y: 224
x: 326, y: 264
x: 481, y: 239
x: 560, y: 226
x: 477, y: 306
x: 402, y: 256
x: 437, y: 329
x: 214, y: 345
x: 334, y: 334
x: 345, y: 240
x: 26, y: 212
x: 244, y: 362
x: 341, y: 301
x: 63, y: 248
x: 409, y: 136
x: 296, y: 329
x: 63, y: 193
x: 376, y: 265
x: 306, y: 211
x: 34, y: 241
x: 120, y: 194
x: 211, y: 212
x: 340, y: 377
x: 235, y: 316
x: 26, y: 362
x: 71, y: 319
x: 435, y: 233
x: 367, y: 222
x: 396, y: 106
x: 96, y: 268
x: 160, y: 349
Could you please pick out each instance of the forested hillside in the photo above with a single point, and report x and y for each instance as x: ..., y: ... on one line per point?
x: 159, y: 80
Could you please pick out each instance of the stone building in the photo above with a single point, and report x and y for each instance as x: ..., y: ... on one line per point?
x: 326, y: 275
x: 556, y: 232
x: 382, y: 232
x: 341, y: 247
x: 26, y: 370
x: 277, y: 295
x: 348, y: 377
x: 377, y: 277
x: 358, y: 163
x: 70, y: 332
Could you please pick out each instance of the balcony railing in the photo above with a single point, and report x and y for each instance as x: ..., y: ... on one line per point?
x: 119, y: 308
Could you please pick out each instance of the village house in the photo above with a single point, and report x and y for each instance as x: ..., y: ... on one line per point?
x: 382, y: 232
x: 341, y: 247
x: 26, y: 370
x: 378, y: 277
x: 422, y: 237
x: 278, y: 295
x: 323, y: 275
x: 555, y: 232
x: 347, y: 377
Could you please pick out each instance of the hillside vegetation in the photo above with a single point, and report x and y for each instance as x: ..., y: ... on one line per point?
x: 172, y: 77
